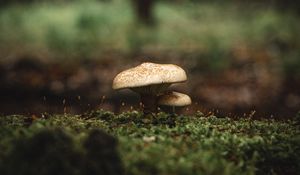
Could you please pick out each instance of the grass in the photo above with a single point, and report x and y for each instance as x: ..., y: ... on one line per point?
x: 195, y: 144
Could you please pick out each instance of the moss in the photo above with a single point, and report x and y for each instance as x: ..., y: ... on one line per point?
x: 170, y: 144
x: 48, y: 151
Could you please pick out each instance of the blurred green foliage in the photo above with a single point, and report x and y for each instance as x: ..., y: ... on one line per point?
x: 87, y: 29
x: 171, y: 144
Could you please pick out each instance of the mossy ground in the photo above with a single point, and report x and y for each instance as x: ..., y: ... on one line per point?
x: 169, y: 144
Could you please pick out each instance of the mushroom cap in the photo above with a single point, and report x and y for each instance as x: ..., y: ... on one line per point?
x: 147, y: 74
x: 174, y: 99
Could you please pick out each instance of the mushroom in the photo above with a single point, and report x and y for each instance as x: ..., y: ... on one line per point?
x: 149, y: 80
x: 174, y: 99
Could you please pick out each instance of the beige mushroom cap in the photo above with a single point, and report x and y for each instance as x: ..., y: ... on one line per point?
x: 174, y: 99
x: 147, y: 74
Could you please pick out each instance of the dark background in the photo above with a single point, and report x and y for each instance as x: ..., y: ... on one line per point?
x: 61, y: 56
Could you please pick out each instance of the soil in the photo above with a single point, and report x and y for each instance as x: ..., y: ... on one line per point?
x: 33, y: 86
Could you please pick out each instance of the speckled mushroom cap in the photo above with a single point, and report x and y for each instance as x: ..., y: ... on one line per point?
x: 174, y: 99
x: 147, y: 74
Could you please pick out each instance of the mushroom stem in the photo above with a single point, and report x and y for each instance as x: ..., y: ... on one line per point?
x: 173, y: 110
x: 149, y: 103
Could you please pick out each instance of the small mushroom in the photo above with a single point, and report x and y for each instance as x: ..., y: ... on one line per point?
x: 174, y: 99
x: 149, y: 80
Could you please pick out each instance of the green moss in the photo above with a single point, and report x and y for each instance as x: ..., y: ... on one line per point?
x: 169, y: 145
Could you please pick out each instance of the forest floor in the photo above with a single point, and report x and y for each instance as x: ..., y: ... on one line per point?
x: 102, y: 142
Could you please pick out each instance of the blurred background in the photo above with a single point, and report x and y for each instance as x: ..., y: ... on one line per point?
x: 60, y: 56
